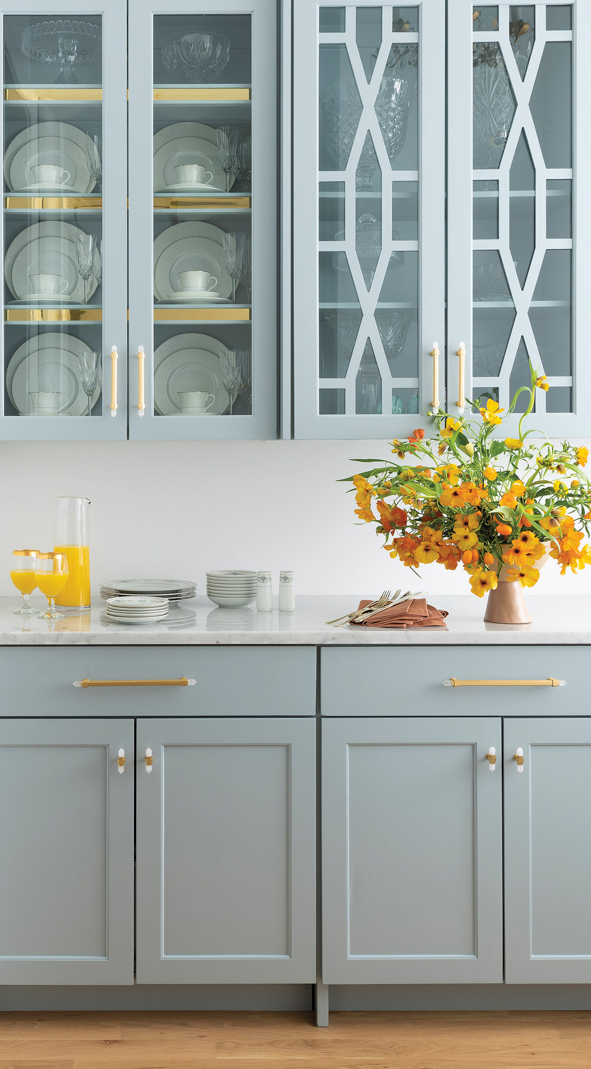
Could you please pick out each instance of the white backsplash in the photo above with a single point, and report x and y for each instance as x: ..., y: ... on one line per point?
x: 175, y: 509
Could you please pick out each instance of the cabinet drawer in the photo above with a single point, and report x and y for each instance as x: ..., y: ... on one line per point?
x: 235, y: 681
x: 409, y: 682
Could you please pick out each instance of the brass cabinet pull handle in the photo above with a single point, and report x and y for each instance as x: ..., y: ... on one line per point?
x: 114, y: 358
x: 519, y: 758
x: 435, y: 354
x: 141, y: 359
x: 550, y: 682
x: 121, y: 762
x: 182, y: 682
x: 491, y: 757
x: 461, y: 354
x: 149, y: 760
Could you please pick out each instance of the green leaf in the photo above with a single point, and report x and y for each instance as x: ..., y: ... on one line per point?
x: 497, y: 447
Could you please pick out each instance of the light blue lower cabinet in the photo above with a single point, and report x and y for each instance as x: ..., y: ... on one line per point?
x: 411, y: 851
x: 66, y: 852
x: 226, y: 834
x: 548, y: 851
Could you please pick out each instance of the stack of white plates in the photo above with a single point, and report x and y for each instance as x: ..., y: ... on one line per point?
x: 136, y: 610
x: 231, y: 588
x: 172, y: 589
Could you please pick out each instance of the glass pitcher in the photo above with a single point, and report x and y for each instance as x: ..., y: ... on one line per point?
x: 71, y: 539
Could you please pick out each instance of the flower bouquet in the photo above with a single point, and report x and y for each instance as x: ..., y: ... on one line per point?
x: 498, y: 507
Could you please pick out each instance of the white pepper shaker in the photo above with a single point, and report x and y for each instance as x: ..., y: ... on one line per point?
x: 286, y: 592
x: 264, y: 592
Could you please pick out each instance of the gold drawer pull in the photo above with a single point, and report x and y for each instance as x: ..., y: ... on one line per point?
x: 121, y: 761
x: 550, y: 682
x: 519, y: 758
x: 435, y: 354
x: 491, y: 757
x: 182, y: 682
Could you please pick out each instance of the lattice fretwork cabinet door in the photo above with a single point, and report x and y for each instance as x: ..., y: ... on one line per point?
x: 519, y: 153
x: 369, y: 216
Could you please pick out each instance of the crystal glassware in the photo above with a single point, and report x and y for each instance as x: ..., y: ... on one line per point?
x: 244, y: 358
x: 22, y: 573
x: 196, y: 57
x: 97, y: 263
x: 227, y: 140
x: 243, y: 168
x: 369, y: 390
x: 90, y: 373
x: 493, y: 105
x: 244, y: 261
x: 85, y: 256
x: 393, y: 328
x: 230, y: 243
x: 93, y: 156
x: 68, y: 42
x: 231, y: 374
x: 51, y: 574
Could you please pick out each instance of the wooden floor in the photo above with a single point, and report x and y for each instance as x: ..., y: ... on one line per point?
x: 291, y: 1041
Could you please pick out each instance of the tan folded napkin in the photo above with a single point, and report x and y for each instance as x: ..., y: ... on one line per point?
x: 407, y: 614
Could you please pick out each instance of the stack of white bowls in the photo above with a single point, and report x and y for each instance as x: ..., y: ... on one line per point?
x: 136, y: 610
x: 231, y: 588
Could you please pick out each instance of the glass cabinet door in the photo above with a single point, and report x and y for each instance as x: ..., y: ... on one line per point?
x: 519, y: 151
x: 64, y: 222
x: 369, y: 216
x: 202, y: 196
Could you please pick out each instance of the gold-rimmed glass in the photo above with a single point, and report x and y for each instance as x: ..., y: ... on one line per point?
x: 51, y: 572
x: 22, y: 573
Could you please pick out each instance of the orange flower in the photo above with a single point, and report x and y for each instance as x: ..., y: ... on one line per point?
x: 490, y: 474
x: 582, y: 455
x: 518, y: 488
x: 454, y: 498
x: 449, y: 555
x: 391, y: 517
x: 416, y: 436
x: 481, y: 582
x: 509, y: 500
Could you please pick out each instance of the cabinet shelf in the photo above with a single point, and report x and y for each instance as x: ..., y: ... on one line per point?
x: 164, y: 313
x: 210, y: 202
x: 221, y: 94
x: 53, y: 315
x: 509, y: 304
x: 52, y: 94
x: 21, y: 203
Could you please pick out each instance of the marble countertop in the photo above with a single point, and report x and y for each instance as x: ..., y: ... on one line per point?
x: 556, y: 621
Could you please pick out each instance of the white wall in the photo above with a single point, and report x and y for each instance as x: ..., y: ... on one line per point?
x: 176, y: 509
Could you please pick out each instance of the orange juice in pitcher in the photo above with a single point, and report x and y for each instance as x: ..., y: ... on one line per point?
x: 71, y: 539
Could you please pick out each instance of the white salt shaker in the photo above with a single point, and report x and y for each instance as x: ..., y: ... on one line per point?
x: 286, y: 592
x: 264, y: 592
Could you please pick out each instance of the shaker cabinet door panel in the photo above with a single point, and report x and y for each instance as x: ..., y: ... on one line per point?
x: 226, y: 851
x: 66, y: 852
x: 411, y: 848
x: 548, y: 851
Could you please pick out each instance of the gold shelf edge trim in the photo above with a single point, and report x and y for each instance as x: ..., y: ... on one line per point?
x: 71, y: 94
x: 53, y: 315
x: 205, y: 203
x: 202, y: 94
x: 174, y: 315
x: 36, y: 203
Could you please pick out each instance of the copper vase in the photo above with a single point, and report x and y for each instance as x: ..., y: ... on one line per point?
x: 506, y: 603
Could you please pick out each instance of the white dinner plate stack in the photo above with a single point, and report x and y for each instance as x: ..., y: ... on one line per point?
x: 136, y: 610
x: 172, y: 589
x: 232, y: 588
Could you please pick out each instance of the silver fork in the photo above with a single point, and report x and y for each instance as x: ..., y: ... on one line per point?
x: 379, y: 604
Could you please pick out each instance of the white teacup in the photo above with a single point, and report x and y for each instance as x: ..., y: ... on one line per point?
x: 49, y: 174
x: 193, y: 174
x: 50, y: 284
x: 198, y: 280
x: 44, y: 403
x: 195, y: 402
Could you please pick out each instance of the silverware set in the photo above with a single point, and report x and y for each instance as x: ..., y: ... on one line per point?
x: 385, y: 601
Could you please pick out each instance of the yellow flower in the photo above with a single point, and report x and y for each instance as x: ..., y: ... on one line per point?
x: 513, y: 443
x: 542, y: 384
x: 451, y: 426
x: 481, y: 582
x: 527, y: 538
x: 509, y: 500
x: 574, y: 483
x: 518, y: 488
x: 426, y: 553
x: 490, y: 474
x: 453, y: 498
x: 582, y: 455
x: 466, y: 541
x: 558, y: 486
x: 527, y: 576
x: 491, y: 414
x: 471, y: 521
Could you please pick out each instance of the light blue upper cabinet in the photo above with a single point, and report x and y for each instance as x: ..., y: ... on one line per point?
x: 369, y: 216
x: 203, y: 219
x: 64, y: 221
x: 547, y: 853
x: 519, y: 86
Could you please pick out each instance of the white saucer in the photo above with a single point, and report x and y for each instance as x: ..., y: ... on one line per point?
x: 54, y: 298
x: 197, y: 413
x: 42, y: 186
x: 190, y: 187
x: 195, y: 295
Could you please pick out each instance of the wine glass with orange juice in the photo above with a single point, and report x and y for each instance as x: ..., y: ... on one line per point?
x: 51, y: 573
x: 22, y: 573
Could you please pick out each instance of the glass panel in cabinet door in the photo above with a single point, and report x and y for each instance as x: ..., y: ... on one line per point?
x: 203, y: 242
x: 368, y: 215
x: 522, y: 193
x: 52, y: 216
